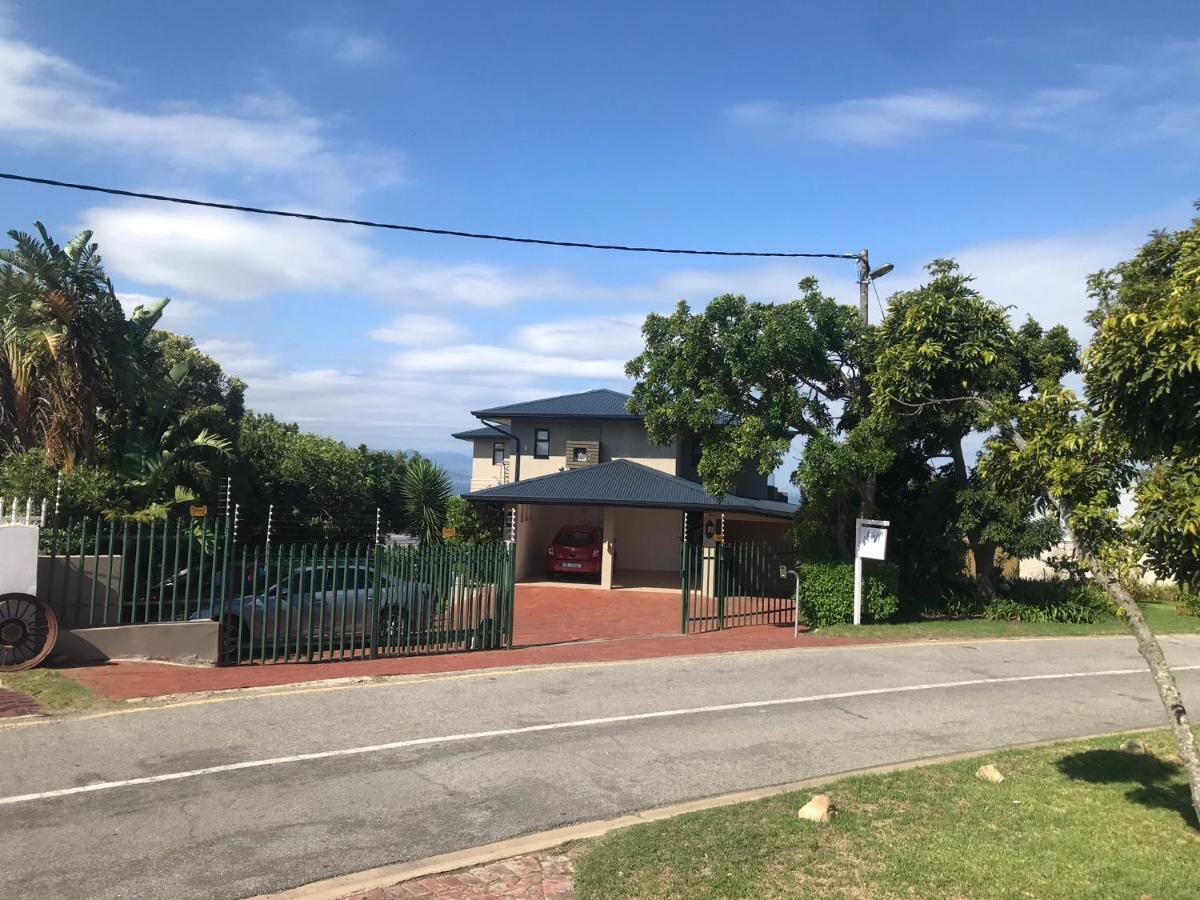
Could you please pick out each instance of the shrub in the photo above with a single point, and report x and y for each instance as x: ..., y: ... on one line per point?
x: 954, y: 599
x: 827, y: 593
x: 1191, y: 602
x: 1153, y: 592
x: 1051, y: 601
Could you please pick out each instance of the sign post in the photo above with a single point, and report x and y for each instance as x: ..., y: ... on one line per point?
x: 870, y: 542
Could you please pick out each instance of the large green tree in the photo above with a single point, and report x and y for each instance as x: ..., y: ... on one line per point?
x: 747, y: 378
x: 945, y: 340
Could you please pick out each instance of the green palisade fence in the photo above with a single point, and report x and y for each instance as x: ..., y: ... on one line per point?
x: 729, y: 585
x: 280, y: 603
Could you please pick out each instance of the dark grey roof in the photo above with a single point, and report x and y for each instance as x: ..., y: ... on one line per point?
x: 623, y: 482
x: 487, y: 431
x: 596, y: 404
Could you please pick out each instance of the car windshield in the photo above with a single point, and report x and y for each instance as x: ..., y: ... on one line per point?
x: 575, y: 537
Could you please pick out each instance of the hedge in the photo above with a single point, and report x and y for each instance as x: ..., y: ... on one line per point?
x: 827, y: 593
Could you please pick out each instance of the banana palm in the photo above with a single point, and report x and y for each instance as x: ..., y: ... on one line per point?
x: 67, y: 353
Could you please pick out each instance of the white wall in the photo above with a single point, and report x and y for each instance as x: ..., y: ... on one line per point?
x: 18, y: 559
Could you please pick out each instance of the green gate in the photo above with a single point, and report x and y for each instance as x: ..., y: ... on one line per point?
x: 729, y: 585
x: 281, y: 603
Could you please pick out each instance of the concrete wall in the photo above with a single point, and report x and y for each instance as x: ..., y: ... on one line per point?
x: 196, y: 643
x: 536, y: 527
x: 647, y: 539
x: 69, y: 588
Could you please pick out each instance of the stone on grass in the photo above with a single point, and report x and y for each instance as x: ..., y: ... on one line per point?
x: 989, y: 773
x: 819, y: 809
x: 1133, y: 745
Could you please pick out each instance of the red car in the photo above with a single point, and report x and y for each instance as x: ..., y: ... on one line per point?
x: 575, y: 550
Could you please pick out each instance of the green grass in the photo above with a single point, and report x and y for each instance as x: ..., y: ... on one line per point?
x: 55, y: 692
x: 1161, y: 617
x: 1075, y: 820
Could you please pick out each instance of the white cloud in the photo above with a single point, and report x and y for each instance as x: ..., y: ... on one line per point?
x: 48, y: 100
x: 1046, y: 108
x: 889, y: 121
x: 1041, y: 276
x: 349, y: 48
x: 244, y: 358
x: 494, y: 362
x: 238, y: 256
x: 611, y: 337
x: 1151, y: 93
x: 223, y: 255
x: 417, y: 330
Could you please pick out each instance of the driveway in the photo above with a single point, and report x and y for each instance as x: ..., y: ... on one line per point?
x: 230, y: 796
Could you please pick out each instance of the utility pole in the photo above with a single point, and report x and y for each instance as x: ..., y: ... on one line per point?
x: 865, y: 277
x: 864, y: 281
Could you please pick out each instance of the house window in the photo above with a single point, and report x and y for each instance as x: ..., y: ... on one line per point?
x: 541, y: 443
x: 498, y: 453
x: 579, y: 454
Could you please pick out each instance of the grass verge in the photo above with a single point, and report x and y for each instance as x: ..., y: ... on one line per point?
x: 1073, y: 820
x: 55, y: 692
x: 1161, y: 617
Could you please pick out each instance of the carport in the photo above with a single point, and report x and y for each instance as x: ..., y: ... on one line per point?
x: 644, y: 515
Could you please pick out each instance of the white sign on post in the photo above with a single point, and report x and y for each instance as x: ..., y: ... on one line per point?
x: 870, y: 542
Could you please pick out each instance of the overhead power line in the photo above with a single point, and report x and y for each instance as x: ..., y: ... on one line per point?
x: 415, y: 229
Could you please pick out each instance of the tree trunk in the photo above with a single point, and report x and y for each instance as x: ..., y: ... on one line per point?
x: 1164, y: 680
x: 1148, y: 646
x: 984, y: 553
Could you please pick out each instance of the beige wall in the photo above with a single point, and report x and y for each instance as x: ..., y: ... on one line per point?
x: 647, y: 539
x: 483, y: 473
x: 618, y: 440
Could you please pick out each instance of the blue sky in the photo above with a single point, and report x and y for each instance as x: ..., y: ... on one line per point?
x: 1033, y: 143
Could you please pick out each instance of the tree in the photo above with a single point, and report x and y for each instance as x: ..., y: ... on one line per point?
x: 426, y: 495
x: 747, y: 378
x: 68, y: 353
x: 944, y: 340
x: 1142, y: 375
x: 474, y: 523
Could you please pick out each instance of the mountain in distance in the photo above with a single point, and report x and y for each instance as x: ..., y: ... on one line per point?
x: 457, y: 466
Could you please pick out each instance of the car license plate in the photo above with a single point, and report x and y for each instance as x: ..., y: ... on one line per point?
x: 568, y: 565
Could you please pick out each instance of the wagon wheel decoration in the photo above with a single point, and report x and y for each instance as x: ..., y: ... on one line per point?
x: 28, y: 630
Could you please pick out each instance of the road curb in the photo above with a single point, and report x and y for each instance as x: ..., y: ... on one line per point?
x: 384, y: 876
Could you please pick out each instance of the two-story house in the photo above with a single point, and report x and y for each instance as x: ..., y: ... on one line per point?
x: 585, y: 460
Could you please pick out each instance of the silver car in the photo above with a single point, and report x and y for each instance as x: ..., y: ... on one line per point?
x: 316, y: 604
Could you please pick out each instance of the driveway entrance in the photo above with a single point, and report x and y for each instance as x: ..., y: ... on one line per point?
x: 554, y: 613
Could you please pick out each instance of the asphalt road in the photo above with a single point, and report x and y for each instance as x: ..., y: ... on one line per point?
x: 225, y: 798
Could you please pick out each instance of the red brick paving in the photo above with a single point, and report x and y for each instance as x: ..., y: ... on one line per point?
x: 553, y: 625
x: 540, y: 876
x: 15, y: 703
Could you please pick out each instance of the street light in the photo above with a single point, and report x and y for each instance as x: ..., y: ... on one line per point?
x: 865, y: 276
